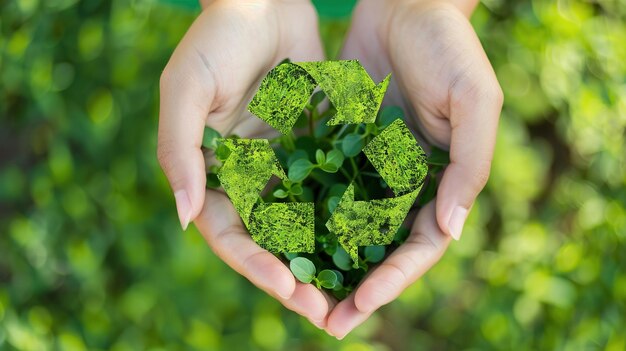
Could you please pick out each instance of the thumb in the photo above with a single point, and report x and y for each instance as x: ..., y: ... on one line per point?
x: 184, y: 106
x: 474, y: 114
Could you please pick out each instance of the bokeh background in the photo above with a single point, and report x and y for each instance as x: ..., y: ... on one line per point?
x: 92, y: 256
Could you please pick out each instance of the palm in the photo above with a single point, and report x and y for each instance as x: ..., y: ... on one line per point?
x: 226, y: 66
x: 441, y: 77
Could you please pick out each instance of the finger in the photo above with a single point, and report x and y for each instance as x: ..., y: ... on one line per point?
x: 184, y: 106
x: 345, y: 317
x: 475, y: 105
x: 423, y: 248
x: 310, y: 302
x: 223, y: 230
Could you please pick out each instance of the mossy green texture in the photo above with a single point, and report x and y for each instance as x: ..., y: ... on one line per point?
x: 286, y: 90
x: 282, y: 96
x: 366, y: 223
x: 284, y: 226
x: 246, y: 171
x: 277, y: 227
x: 398, y: 158
x: 351, y: 90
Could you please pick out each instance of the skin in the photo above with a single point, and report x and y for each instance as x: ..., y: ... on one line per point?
x: 441, y: 76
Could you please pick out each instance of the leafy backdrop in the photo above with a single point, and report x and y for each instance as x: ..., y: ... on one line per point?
x: 92, y: 256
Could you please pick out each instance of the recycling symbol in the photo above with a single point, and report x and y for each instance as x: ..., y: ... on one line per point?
x: 394, y: 153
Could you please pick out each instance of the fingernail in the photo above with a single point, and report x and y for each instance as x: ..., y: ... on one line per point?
x: 457, y: 220
x: 184, y: 207
x: 283, y: 294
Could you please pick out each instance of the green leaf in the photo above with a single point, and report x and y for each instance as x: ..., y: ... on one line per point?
x: 222, y: 152
x: 339, y: 277
x: 327, y: 279
x: 320, y: 157
x: 290, y: 255
x: 388, y: 114
x: 299, y: 170
x: 342, y: 260
x: 296, y: 155
x: 296, y: 189
x: 303, y: 269
x: 210, y: 138
x: 337, y: 190
x: 335, y: 157
x: 280, y: 193
x: 329, y: 168
x: 438, y: 157
x: 332, y: 203
x: 352, y: 144
x: 374, y: 254
x: 212, y: 181
x: 318, y: 97
x: 302, y: 120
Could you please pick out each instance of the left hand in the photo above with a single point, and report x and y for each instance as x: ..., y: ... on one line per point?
x: 442, y: 75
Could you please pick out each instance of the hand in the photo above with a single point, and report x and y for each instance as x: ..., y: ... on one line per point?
x: 442, y: 75
x: 209, y: 79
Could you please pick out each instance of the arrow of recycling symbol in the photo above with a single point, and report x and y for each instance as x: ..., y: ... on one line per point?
x: 286, y: 90
x: 289, y: 227
x: 401, y: 163
x: 277, y: 227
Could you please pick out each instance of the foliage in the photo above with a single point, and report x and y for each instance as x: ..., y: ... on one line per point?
x: 388, y: 174
x: 92, y: 257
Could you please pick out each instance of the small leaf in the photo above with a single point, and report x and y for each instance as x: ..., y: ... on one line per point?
x: 317, y: 98
x: 302, y: 121
x: 290, y: 255
x: 388, y: 114
x: 222, y: 152
x: 327, y: 279
x: 352, y: 144
x: 212, y: 181
x: 337, y: 190
x: 296, y: 155
x: 320, y: 157
x: 210, y: 138
x: 438, y: 157
x: 296, y: 189
x: 342, y: 260
x: 335, y: 157
x: 303, y: 269
x: 300, y: 169
x: 280, y: 193
x: 339, y: 277
x: 329, y: 168
x: 374, y: 254
x: 333, y: 201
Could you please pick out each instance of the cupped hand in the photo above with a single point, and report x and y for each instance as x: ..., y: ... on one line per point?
x: 209, y: 80
x: 442, y: 77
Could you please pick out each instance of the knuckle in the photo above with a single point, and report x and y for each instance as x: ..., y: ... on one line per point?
x: 166, y: 78
x: 481, y: 174
x: 164, y: 154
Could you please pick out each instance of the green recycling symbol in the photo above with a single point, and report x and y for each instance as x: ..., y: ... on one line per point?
x: 394, y: 153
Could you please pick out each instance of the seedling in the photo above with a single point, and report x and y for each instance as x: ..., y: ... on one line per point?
x: 349, y: 172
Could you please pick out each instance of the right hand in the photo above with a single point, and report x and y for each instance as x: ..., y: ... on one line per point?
x: 209, y: 80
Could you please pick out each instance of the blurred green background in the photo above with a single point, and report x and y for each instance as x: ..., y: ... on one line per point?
x: 92, y: 256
